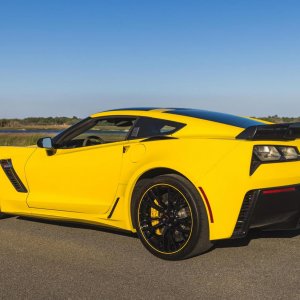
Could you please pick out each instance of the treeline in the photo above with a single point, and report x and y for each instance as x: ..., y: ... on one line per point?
x: 277, y: 119
x: 38, y: 121
x: 66, y: 121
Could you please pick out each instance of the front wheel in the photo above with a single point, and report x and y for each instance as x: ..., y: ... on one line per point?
x: 170, y: 217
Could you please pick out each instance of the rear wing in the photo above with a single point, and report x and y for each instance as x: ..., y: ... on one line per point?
x: 273, y: 132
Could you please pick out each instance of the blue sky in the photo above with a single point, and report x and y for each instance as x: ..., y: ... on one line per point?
x: 76, y: 57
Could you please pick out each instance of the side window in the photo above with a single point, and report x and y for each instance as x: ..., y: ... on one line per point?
x: 97, y: 131
x: 147, y: 127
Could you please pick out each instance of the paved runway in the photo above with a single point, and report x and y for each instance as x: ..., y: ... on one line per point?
x: 45, y: 260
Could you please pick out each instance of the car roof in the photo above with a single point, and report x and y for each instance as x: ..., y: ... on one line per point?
x: 184, y: 115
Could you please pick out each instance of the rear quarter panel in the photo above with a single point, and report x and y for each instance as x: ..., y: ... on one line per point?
x: 220, y: 166
x: 194, y: 158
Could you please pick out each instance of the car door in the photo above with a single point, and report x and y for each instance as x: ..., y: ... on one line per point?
x: 81, y: 175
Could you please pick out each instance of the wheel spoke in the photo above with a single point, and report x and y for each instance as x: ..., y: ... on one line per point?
x: 154, y: 205
x: 155, y: 218
x: 181, y: 206
x: 184, y: 221
x: 157, y: 226
x: 172, y: 240
x: 170, y: 199
x: 165, y: 240
x: 183, y: 230
x: 169, y: 243
x: 168, y: 229
x: 156, y: 195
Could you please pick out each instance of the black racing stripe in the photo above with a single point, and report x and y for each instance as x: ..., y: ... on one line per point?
x: 227, y: 119
x: 135, y: 108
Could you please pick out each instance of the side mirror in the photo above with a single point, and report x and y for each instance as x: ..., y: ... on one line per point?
x: 46, y: 143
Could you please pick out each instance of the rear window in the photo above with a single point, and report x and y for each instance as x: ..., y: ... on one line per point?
x: 216, y: 117
x: 148, y: 127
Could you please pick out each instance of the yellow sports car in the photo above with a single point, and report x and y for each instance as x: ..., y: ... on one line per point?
x: 180, y: 178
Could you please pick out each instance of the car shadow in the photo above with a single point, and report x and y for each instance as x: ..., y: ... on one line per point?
x: 256, y: 234
x: 81, y: 226
x: 228, y: 243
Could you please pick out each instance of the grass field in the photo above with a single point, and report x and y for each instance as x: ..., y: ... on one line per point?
x: 19, y: 139
x: 27, y: 139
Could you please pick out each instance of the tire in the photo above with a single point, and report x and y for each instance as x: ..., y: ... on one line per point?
x: 170, y: 217
x: 2, y: 216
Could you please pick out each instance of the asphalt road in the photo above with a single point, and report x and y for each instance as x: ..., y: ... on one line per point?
x: 44, y: 260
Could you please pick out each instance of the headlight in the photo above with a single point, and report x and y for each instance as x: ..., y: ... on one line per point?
x: 271, y: 153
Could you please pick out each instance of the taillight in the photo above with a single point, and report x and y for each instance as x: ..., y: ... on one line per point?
x: 271, y: 154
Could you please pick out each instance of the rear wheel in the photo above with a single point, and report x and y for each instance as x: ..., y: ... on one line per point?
x: 170, y: 217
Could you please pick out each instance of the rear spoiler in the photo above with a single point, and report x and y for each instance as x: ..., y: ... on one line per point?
x: 273, y: 132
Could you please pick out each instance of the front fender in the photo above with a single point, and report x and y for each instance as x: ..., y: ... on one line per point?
x: 10, y: 198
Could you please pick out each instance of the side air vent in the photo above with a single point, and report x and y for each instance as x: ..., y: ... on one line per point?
x: 242, y: 224
x: 11, y: 174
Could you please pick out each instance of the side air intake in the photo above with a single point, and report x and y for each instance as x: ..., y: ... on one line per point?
x: 11, y: 174
x: 242, y: 224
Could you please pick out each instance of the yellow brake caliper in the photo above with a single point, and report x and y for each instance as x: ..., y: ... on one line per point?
x: 155, y: 214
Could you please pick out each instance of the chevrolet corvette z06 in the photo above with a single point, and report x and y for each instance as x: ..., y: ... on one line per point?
x: 180, y: 178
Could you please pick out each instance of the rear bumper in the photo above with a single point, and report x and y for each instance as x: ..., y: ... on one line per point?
x: 272, y: 209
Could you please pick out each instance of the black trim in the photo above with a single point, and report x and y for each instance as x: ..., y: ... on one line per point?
x: 113, y: 208
x: 133, y: 125
x: 159, y: 138
x: 273, y: 132
x: 148, y: 127
x: 58, y: 139
x: 271, y: 208
x: 242, y: 224
x: 13, y: 177
x: 87, y: 123
x: 277, y: 208
x: 218, y: 117
x: 255, y: 163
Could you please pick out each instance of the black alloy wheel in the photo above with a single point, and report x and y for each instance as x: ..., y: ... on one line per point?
x: 170, y: 217
x: 165, y: 218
